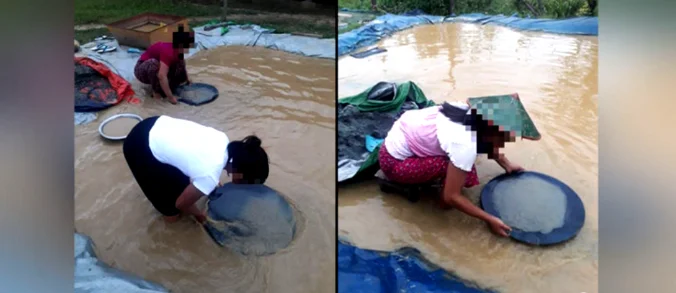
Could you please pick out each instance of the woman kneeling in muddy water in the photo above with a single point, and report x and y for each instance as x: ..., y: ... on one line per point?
x: 421, y: 144
x: 176, y: 162
x: 162, y: 66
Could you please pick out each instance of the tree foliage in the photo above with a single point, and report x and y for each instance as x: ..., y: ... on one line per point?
x: 533, y: 8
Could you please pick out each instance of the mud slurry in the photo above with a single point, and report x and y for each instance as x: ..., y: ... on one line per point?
x: 289, y: 102
x: 556, y: 78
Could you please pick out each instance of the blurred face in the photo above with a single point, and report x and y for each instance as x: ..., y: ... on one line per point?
x: 183, y: 40
x: 498, y: 139
x: 181, y: 50
x: 230, y: 172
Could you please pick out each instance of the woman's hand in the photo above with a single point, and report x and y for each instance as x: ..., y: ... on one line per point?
x: 513, y: 168
x: 508, y: 165
x: 172, y: 99
x: 498, y: 227
x: 201, y: 218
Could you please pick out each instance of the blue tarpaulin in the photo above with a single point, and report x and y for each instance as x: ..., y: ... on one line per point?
x: 94, y: 276
x: 404, y: 270
x: 570, y: 26
x: 379, y: 28
x: 388, y: 24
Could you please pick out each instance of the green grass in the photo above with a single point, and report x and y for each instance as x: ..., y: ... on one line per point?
x: 283, y: 26
x: 355, y: 4
x: 279, y: 25
x: 87, y: 36
x: 107, y: 11
x: 324, y: 31
x: 553, y: 8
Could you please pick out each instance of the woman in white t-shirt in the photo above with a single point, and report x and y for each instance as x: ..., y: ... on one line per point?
x: 176, y: 161
x: 422, y: 143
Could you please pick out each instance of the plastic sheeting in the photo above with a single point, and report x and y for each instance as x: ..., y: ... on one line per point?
x: 388, y: 24
x: 569, y: 26
x: 368, y: 52
x: 379, y: 28
x: 367, y: 117
x: 122, y: 86
x: 84, y: 118
x: 405, y: 270
x: 94, y: 276
x: 97, y: 87
x: 253, y: 35
x: 122, y: 62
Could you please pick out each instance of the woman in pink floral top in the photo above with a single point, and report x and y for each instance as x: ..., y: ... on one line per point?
x: 422, y: 143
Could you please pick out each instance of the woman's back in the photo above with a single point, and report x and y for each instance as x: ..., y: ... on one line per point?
x: 428, y: 133
x: 162, y: 51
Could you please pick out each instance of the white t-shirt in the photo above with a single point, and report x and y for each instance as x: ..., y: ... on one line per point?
x: 457, y: 141
x: 200, y: 152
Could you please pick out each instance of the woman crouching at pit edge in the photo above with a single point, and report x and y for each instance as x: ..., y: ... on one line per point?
x: 162, y: 67
x: 422, y: 142
x: 176, y: 162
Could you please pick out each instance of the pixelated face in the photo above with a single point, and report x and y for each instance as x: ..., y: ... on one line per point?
x: 232, y: 173
x: 499, y: 136
x: 182, y: 41
x: 493, y: 135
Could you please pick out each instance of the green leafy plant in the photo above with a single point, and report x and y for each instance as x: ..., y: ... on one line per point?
x: 535, y: 8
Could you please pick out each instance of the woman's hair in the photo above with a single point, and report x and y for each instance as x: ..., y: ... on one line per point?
x: 487, y: 134
x: 249, y: 159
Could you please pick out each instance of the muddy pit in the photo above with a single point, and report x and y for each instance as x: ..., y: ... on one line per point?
x: 556, y: 78
x: 288, y: 101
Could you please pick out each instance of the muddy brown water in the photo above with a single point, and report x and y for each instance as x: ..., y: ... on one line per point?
x: 556, y: 77
x: 119, y: 127
x: 289, y: 102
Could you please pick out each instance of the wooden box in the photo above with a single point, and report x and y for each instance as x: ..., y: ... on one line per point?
x: 145, y: 29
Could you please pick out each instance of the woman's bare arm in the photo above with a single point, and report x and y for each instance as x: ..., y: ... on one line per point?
x: 508, y: 165
x: 502, y: 161
x: 164, y: 80
x: 455, y: 179
x: 186, y: 201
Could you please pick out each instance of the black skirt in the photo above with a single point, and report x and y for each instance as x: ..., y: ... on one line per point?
x: 161, y: 183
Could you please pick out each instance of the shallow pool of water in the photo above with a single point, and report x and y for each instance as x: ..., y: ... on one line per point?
x: 288, y: 101
x: 556, y: 78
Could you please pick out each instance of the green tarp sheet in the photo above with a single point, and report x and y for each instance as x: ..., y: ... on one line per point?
x: 372, y: 112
